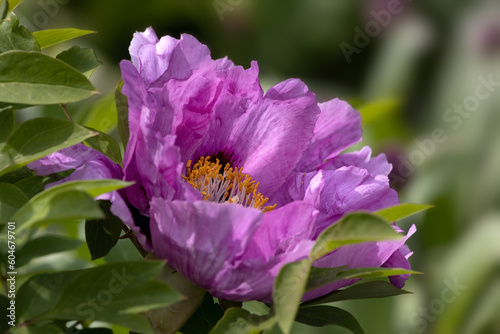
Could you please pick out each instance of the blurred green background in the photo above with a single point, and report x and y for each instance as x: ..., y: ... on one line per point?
x: 414, y: 75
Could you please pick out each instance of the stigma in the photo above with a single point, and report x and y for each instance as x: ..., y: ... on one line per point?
x: 228, y: 185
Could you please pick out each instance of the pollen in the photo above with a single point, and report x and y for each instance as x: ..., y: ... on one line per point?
x: 228, y: 185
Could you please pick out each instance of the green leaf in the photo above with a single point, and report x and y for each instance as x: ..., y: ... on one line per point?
x: 289, y: 286
x: 35, y: 184
x: 44, y: 245
x: 13, y: 4
x: 205, y: 318
x: 107, y: 145
x: 122, y: 111
x: 401, y: 211
x: 237, y: 320
x: 319, y: 277
x: 55, y: 204
x: 35, y: 78
x: 41, y: 293
x: 319, y: 316
x: 375, y: 289
x: 17, y: 175
x: 111, y: 293
x: 37, y: 138
x: 16, y: 37
x: 353, y: 228
x: 51, y: 37
x: 375, y: 272
x: 83, y: 60
x: 6, y: 124
x: 69, y: 206
x: 102, y: 234
x: 11, y: 200
x: 102, y: 116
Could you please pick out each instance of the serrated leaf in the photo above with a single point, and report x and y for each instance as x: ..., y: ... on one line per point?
x: 319, y: 316
x: 51, y: 37
x: 401, y: 211
x: 37, y: 138
x: 107, y: 145
x: 289, y: 286
x: 122, y: 111
x: 44, y: 245
x: 102, y: 234
x: 375, y: 289
x: 83, y: 60
x: 34, y: 78
x: 237, y: 320
x: 352, y: 228
x: 11, y: 200
x: 205, y: 318
x: 49, y: 205
x: 16, y: 37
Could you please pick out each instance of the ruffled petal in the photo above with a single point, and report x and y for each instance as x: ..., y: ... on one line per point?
x: 338, y: 127
x: 202, y: 239
x: 269, y: 139
x: 281, y: 230
x: 283, y: 236
x: 168, y: 58
x: 240, y: 92
x: 349, y: 189
x: 89, y: 164
x: 399, y: 259
x: 362, y: 159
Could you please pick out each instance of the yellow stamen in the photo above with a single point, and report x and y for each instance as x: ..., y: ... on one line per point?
x: 227, y: 186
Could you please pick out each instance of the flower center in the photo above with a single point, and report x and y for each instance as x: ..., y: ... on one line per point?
x: 229, y: 185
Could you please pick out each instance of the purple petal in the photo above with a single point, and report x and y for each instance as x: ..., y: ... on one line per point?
x: 201, y: 239
x: 240, y: 92
x: 166, y: 58
x: 89, y: 164
x: 357, y: 256
x: 351, y: 189
x: 361, y: 159
x: 399, y: 259
x: 283, y: 236
x: 281, y: 230
x: 271, y: 136
x: 338, y: 127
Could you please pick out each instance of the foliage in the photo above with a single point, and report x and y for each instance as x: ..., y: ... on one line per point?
x: 64, y: 299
